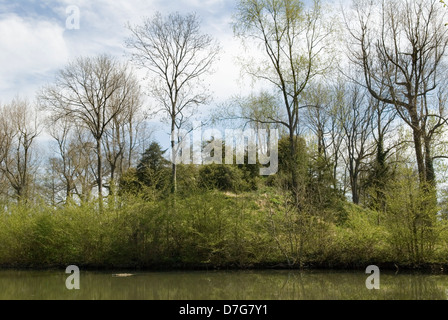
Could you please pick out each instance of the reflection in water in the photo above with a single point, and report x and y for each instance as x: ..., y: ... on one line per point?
x: 250, y: 285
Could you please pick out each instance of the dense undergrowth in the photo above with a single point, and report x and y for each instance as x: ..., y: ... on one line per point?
x: 212, y: 229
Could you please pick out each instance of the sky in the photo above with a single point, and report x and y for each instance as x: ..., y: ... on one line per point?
x: 35, y: 43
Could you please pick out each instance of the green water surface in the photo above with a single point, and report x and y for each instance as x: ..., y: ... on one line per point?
x: 234, y: 285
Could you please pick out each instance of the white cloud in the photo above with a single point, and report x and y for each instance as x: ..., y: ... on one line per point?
x: 29, y: 50
x: 34, y: 45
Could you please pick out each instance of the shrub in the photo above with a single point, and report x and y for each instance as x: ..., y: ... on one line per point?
x: 411, y: 219
x: 221, y: 177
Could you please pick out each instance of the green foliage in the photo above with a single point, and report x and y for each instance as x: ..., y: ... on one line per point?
x: 301, y: 238
x: 153, y: 169
x: 230, y: 178
x: 317, y: 194
x: 360, y: 240
x: 152, y: 159
x: 375, y: 182
x: 221, y: 177
x: 130, y: 183
x: 411, y: 218
x: 188, y: 178
x: 214, y: 229
x: 224, y: 216
x: 322, y: 195
x: 151, y: 178
x: 209, y: 228
x: 289, y: 164
x: 444, y: 204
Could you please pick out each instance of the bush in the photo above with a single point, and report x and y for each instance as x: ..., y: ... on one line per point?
x: 214, y: 229
x: 221, y: 177
x: 411, y: 219
x: 360, y: 240
x: 208, y: 228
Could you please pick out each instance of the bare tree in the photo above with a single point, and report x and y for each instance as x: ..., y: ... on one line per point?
x: 400, y: 46
x: 73, y: 162
x: 292, y: 40
x: 91, y: 92
x: 177, y: 55
x: 355, y: 116
x: 83, y: 150
x: 380, y: 172
x: 122, y: 135
x: 19, y: 129
x: 65, y: 166
x: 322, y: 120
x: 6, y: 141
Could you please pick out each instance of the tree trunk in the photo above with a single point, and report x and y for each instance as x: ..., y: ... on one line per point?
x: 380, y: 176
x: 431, y: 187
x: 429, y: 163
x: 173, y: 158
x: 293, y: 166
x: 355, y: 189
x: 67, y: 192
x: 100, y: 174
x: 354, y: 172
x: 419, y: 150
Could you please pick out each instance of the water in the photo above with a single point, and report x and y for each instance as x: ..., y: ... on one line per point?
x: 237, y: 285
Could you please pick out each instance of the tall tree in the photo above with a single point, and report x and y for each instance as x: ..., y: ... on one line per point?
x: 292, y: 39
x: 91, y: 92
x: 121, y: 135
x: 65, y: 166
x: 322, y: 120
x: 75, y: 158
x: 400, y: 45
x: 177, y: 54
x: 380, y: 172
x: 355, y: 116
x: 19, y: 128
x: 151, y: 165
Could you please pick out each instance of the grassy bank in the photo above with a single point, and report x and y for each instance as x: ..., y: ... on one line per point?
x: 207, y: 230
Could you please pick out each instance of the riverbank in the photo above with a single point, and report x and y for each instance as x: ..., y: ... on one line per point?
x: 210, y: 231
x: 388, y: 267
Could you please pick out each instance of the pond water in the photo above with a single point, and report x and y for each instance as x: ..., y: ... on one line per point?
x: 234, y: 285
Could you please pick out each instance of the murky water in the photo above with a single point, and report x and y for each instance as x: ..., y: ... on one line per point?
x: 237, y: 285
